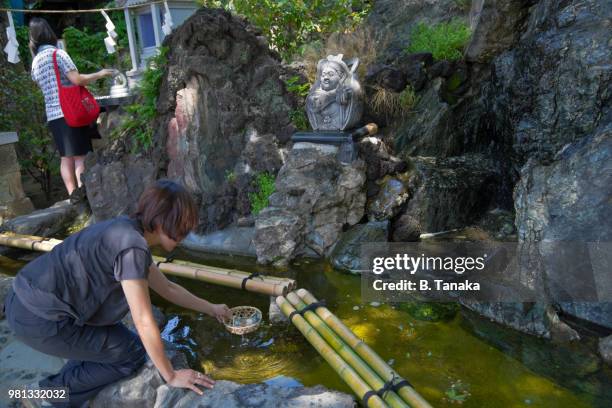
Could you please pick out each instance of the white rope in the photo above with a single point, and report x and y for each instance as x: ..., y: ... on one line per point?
x: 12, y: 46
x: 35, y: 11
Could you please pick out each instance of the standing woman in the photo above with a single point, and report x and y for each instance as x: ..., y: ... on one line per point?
x: 73, y: 143
x: 69, y: 302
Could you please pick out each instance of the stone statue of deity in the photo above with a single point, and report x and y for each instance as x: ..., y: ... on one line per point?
x: 335, y: 101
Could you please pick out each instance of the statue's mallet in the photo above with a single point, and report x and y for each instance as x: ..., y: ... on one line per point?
x: 369, y: 129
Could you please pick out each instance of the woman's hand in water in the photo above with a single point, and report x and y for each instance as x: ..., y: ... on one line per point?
x: 189, y: 378
x: 220, y: 312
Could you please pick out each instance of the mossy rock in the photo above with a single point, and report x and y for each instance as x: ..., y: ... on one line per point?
x: 430, y: 311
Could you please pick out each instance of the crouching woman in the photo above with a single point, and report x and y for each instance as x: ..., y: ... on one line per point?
x: 69, y: 302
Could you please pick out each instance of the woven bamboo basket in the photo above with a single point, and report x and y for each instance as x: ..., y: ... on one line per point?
x: 245, y: 319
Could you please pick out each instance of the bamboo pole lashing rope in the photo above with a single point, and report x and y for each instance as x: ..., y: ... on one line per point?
x: 348, y: 354
x: 344, y: 370
x: 408, y: 393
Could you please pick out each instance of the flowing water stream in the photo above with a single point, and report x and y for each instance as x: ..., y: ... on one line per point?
x: 462, y: 360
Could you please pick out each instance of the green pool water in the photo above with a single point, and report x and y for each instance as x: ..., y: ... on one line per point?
x: 462, y: 361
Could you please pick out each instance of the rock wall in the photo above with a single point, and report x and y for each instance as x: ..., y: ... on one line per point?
x: 532, y: 96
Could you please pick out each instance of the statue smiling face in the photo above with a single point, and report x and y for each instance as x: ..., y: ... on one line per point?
x: 330, y: 76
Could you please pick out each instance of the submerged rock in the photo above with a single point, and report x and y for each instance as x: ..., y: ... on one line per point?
x: 346, y: 255
x: 605, y: 349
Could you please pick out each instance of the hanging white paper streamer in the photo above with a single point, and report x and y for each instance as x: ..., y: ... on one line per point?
x: 12, y: 46
x: 167, y: 26
x: 109, y: 41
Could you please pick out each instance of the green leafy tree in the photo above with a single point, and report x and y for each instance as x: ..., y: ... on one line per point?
x: 289, y: 24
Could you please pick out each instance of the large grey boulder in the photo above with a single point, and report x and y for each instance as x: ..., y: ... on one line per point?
x: 316, y: 197
x: 229, y: 394
x: 224, y: 113
x: 114, y: 182
x: 48, y: 222
x: 140, y: 389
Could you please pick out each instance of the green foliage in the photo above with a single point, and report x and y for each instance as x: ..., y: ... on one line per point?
x: 295, y: 86
x: 23, y: 110
x: 289, y: 24
x: 445, y: 41
x: 230, y: 176
x: 264, y: 183
x: 139, y: 126
x: 299, y: 119
x: 23, y: 38
x: 408, y: 98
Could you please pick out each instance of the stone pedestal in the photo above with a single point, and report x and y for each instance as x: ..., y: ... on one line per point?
x: 13, y: 200
x: 344, y: 140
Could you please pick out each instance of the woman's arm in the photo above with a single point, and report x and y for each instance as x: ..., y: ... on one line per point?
x: 84, y: 79
x: 182, y: 297
x: 137, y: 295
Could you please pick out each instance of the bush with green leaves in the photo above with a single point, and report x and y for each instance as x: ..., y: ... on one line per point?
x: 139, y: 125
x: 23, y: 111
x: 264, y: 183
x: 289, y: 24
x: 445, y: 41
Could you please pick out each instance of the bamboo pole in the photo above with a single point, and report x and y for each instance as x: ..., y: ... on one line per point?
x: 352, y: 379
x: 346, y: 353
x: 408, y: 393
x: 225, y: 277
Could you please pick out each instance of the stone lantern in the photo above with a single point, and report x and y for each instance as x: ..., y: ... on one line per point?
x: 13, y: 200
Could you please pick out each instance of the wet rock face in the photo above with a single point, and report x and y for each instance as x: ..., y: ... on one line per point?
x: 448, y: 193
x: 316, y: 196
x: 223, y: 110
x: 553, y: 87
x: 567, y: 205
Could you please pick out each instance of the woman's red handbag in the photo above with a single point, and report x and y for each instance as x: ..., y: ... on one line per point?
x: 78, y: 104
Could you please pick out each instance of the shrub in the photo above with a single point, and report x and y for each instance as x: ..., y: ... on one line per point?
x: 139, y: 126
x: 264, y: 183
x: 445, y: 41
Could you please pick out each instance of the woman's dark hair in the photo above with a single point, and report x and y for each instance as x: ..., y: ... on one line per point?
x: 169, y: 205
x: 41, y: 33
